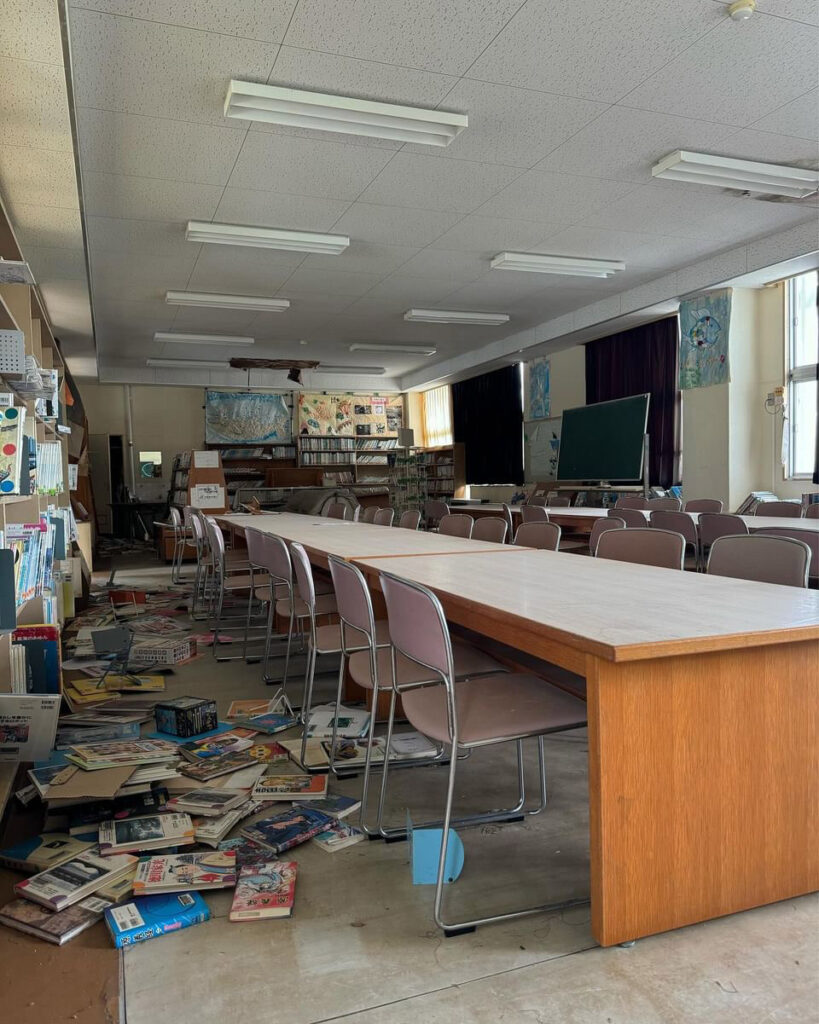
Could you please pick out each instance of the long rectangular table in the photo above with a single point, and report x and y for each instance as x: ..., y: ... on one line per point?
x: 703, y: 723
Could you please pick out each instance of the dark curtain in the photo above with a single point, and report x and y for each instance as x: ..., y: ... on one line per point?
x: 816, y: 464
x: 632, y: 362
x: 487, y: 415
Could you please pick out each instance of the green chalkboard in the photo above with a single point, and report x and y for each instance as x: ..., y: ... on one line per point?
x: 604, y: 441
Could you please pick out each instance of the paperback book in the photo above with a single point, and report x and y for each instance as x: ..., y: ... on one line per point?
x: 69, y: 736
x: 185, y: 871
x: 42, y: 852
x: 337, y: 836
x: 44, y: 924
x: 225, y: 743
x: 152, y: 832
x: 288, y: 829
x: 268, y: 752
x: 213, y: 768
x: 247, y: 852
x: 348, y: 723
x: 337, y: 807
x: 290, y: 787
x: 271, y: 722
x: 73, y: 880
x: 131, y: 805
x: 151, y: 916
x: 264, y: 890
x: 92, y: 757
x: 211, y: 831
x: 209, y: 803
x: 315, y: 756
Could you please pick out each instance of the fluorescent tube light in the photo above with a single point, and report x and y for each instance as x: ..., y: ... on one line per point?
x: 266, y: 238
x: 422, y: 350
x: 365, y: 371
x: 298, y: 108
x: 188, y: 364
x: 539, y: 263
x: 449, y: 316
x: 728, y: 172
x: 214, y: 301
x: 164, y: 337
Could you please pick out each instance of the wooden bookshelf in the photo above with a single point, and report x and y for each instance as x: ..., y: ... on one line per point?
x: 445, y: 471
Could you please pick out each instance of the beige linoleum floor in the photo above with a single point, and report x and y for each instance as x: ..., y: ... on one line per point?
x: 362, y: 946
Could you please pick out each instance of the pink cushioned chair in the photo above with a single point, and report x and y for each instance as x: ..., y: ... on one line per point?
x: 491, y: 529
x: 602, y: 526
x: 384, y: 517
x: 543, y: 536
x: 368, y: 514
x: 454, y: 525
x: 779, y: 509
x: 678, y: 522
x: 761, y: 558
x: 703, y: 505
x: 645, y: 546
x: 533, y: 514
x: 632, y: 517
x: 410, y: 519
x: 631, y: 501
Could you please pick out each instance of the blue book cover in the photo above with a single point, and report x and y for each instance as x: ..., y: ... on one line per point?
x: 288, y: 829
x: 148, y: 917
x: 269, y: 722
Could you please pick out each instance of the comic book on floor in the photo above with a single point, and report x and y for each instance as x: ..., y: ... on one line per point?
x: 217, y: 746
x: 73, y: 880
x: 348, y: 723
x: 119, y: 753
x: 268, y: 752
x: 209, y: 803
x: 152, y: 832
x: 42, y: 852
x: 247, y: 852
x: 337, y: 807
x: 337, y: 836
x: 185, y: 871
x: 87, y: 817
x: 212, y: 768
x: 315, y: 756
x: 49, y: 926
x: 151, y: 916
x: 211, y: 831
x: 270, y: 722
x: 288, y: 829
x: 290, y: 787
x: 264, y: 890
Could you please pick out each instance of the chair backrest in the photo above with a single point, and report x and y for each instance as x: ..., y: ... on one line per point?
x: 664, y: 504
x: 510, y: 521
x: 368, y: 514
x: 256, y: 550
x: 356, y: 513
x: 537, y: 499
x: 543, y: 536
x: 277, y: 559
x: 455, y: 525
x: 713, y: 525
x: 812, y: 511
x: 783, y: 509
x: 703, y: 505
x: 809, y: 537
x: 384, y: 517
x: 417, y: 625
x: 303, y: 572
x: 533, y: 514
x: 355, y: 607
x: 410, y: 519
x: 336, y: 510
x: 631, y: 501
x: 643, y: 546
x: 490, y: 528
x: 175, y: 518
x: 558, y: 501
x: 216, y: 539
x: 677, y: 522
x: 632, y: 517
x: 603, y: 526
x: 434, y: 511
x: 761, y: 558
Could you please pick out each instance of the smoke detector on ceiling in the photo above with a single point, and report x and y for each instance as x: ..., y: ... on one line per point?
x: 741, y: 10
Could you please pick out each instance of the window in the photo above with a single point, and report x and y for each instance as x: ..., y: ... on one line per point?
x: 802, y: 340
x: 436, y: 407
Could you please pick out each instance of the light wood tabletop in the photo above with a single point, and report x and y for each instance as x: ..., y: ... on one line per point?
x: 344, y: 539
x: 615, y: 610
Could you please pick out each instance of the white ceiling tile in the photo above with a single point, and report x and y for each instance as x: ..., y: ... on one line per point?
x: 316, y: 283
x: 56, y: 264
x: 47, y: 226
x: 704, y: 83
x: 33, y: 105
x: 445, y: 266
x: 489, y: 235
x: 292, y: 324
x: 68, y: 308
x: 553, y: 198
x: 159, y: 70
x: 137, y: 198
x: 212, y: 321
x: 510, y: 126
x: 718, y: 268
x: 393, y: 225
x: 664, y: 211
x: 424, y: 34
x: 624, y: 144
x: 396, y: 294
x: 777, y: 149
x: 252, y: 19
x: 796, y: 10
x: 364, y: 257
x: 153, y: 147
x: 330, y: 170
x: 632, y: 247
x: 246, y: 271
x: 800, y: 117
x: 45, y: 177
x: 31, y: 31
x: 456, y: 186
x: 276, y: 210
x: 154, y: 237
x: 599, y: 51
x: 120, y: 274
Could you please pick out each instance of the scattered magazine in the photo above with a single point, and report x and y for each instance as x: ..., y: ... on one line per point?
x: 264, y: 890
x: 211, y: 831
x: 249, y: 708
x: 350, y: 722
x: 271, y: 722
x: 212, y: 768
x: 315, y: 756
x: 73, y: 880
x: 217, y: 746
x: 335, y: 806
x: 185, y: 871
x: 247, y: 852
x: 337, y: 836
x: 411, y: 745
x: 43, y: 852
x: 209, y: 803
x: 290, y: 787
x: 149, y: 833
x: 46, y: 925
x: 120, y: 753
x: 268, y: 752
x: 288, y: 829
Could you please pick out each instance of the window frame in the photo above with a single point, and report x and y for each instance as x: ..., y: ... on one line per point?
x: 796, y: 373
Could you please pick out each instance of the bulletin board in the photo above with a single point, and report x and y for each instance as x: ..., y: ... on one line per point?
x: 350, y: 415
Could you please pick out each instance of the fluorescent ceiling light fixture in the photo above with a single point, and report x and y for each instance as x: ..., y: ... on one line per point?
x: 275, y: 104
x: 365, y: 371
x: 572, y: 266
x: 164, y: 337
x: 728, y: 172
x: 421, y: 350
x: 451, y: 316
x: 213, y: 301
x: 266, y: 238
x: 188, y: 364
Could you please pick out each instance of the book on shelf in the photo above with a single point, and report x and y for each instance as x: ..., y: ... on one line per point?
x: 41, y: 650
x: 28, y: 725
x: 290, y: 787
x: 42, y: 852
x: 183, y: 872
x: 338, y: 836
x: 151, y: 832
x: 208, y: 803
x: 74, y: 879
x: 264, y: 890
x: 287, y: 829
x: 59, y: 927
x: 148, y: 917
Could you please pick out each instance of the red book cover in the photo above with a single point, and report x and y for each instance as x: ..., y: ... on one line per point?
x: 264, y: 890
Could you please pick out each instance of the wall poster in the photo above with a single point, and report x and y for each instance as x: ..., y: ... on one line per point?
x: 539, y: 400
x: 705, y: 324
x: 245, y: 417
x: 358, y: 415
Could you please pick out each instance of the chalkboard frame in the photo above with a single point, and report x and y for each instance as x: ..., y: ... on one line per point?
x: 585, y: 411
